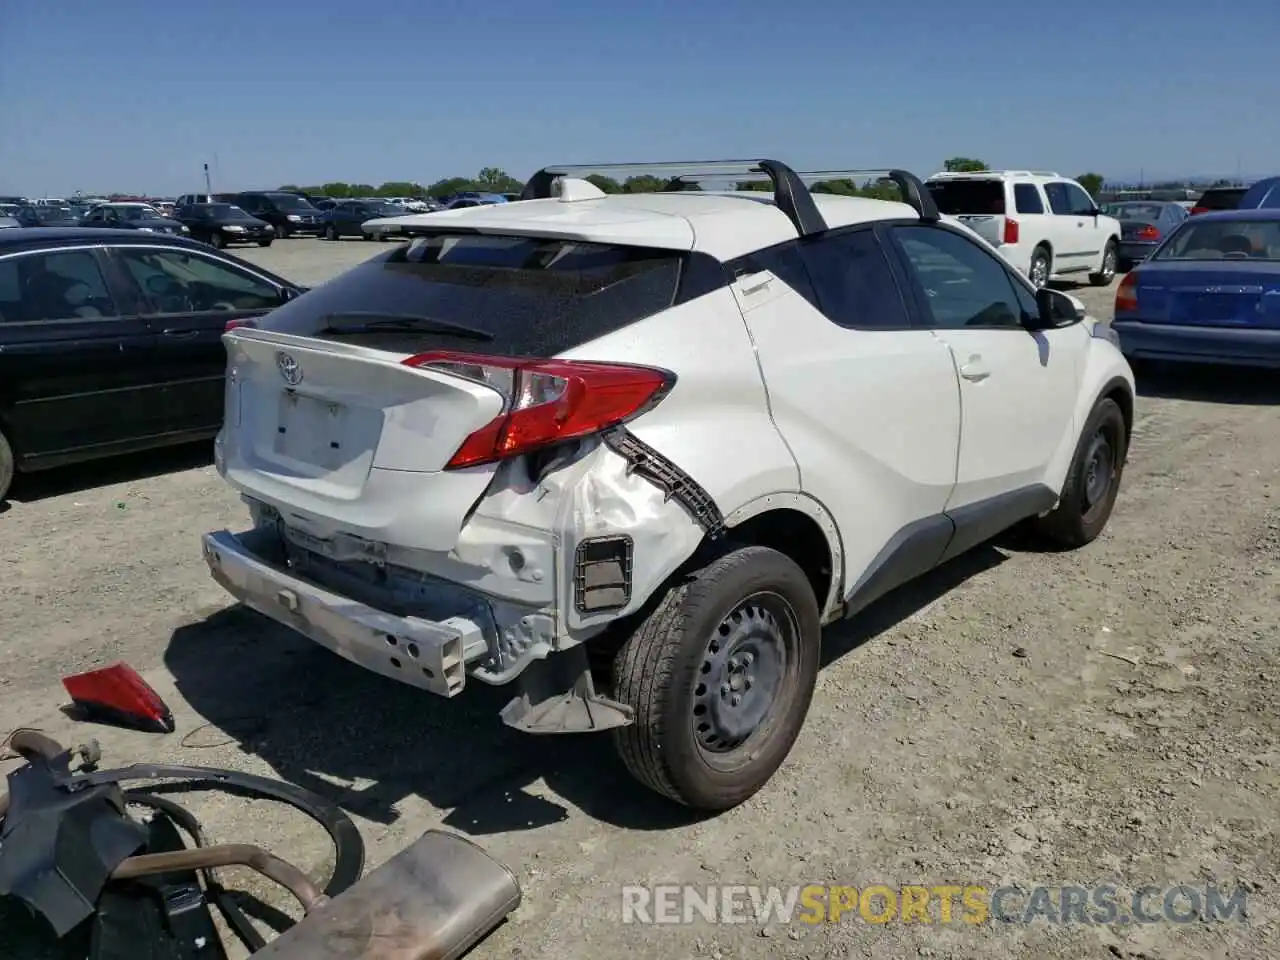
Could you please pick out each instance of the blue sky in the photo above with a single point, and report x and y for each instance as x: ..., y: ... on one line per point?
x: 134, y: 95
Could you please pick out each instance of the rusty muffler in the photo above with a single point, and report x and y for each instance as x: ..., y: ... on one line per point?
x: 433, y: 900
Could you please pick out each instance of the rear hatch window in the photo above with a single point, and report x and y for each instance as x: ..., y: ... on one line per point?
x: 955, y: 197
x: 1224, y: 198
x: 511, y: 296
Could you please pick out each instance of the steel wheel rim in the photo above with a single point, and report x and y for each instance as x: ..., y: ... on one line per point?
x: 1099, y: 469
x: 745, y: 675
x: 1109, y: 264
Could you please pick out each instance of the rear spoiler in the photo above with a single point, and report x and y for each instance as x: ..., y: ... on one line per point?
x: 791, y: 191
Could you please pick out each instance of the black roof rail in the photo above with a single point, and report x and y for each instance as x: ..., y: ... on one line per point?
x: 789, y: 191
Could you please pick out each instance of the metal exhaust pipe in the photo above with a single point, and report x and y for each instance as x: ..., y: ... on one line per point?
x: 434, y: 900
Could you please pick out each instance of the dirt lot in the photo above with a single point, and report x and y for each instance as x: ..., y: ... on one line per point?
x: 1104, y: 716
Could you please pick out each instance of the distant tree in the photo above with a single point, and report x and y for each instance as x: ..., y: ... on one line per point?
x: 643, y: 184
x: 1092, y: 182
x: 763, y: 186
x: 964, y: 165
x: 290, y: 188
x: 494, y: 180
x: 336, y: 189
x: 606, y: 184
x: 311, y: 191
x: 449, y: 186
x: 400, y: 188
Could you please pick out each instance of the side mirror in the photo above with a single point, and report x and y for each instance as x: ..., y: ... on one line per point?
x: 1057, y: 309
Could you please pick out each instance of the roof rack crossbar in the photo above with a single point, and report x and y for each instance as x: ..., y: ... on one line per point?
x: 790, y: 194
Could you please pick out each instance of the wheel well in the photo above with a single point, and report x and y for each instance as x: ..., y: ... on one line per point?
x: 1123, y: 400
x: 798, y: 536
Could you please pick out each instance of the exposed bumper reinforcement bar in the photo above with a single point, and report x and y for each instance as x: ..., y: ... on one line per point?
x: 425, y: 654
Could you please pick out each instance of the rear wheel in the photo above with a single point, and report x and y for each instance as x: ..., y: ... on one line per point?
x: 1038, y: 272
x: 1107, y: 272
x: 6, y: 467
x: 720, y: 676
x: 1093, y: 481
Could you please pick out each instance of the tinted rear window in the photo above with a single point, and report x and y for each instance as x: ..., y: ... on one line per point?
x: 1229, y: 240
x: 522, y: 296
x: 968, y: 196
x: 1221, y: 199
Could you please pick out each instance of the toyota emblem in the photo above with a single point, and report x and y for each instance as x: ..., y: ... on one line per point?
x: 289, y: 369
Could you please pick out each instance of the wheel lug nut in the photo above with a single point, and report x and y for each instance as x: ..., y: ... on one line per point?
x: 748, y: 659
x: 735, y: 700
x: 724, y: 690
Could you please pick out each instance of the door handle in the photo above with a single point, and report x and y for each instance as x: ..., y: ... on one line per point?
x: 181, y: 334
x: 975, y: 371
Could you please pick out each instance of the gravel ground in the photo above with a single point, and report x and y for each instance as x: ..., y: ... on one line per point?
x: 1108, y: 715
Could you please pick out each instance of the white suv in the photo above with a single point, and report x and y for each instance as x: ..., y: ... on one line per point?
x: 631, y: 452
x: 1044, y: 224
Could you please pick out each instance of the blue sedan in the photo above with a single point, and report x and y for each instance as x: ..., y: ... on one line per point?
x: 1210, y: 293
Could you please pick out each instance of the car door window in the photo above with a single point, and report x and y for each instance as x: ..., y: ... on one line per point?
x: 962, y: 285
x: 1081, y: 204
x: 63, y: 285
x: 1059, y: 200
x: 855, y: 285
x: 179, y: 282
x: 1027, y: 198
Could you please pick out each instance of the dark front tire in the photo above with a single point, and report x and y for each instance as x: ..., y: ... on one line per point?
x: 1093, y: 481
x: 1110, y: 258
x: 1041, y: 264
x: 720, y: 676
x: 7, y: 466
x: 217, y: 240
x: 282, y: 232
x: 264, y: 243
x: 330, y: 232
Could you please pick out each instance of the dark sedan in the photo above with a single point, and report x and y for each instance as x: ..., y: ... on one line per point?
x: 222, y: 224
x: 131, y: 216
x: 345, y: 218
x: 1209, y: 294
x: 1143, y: 224
x: 75, y: 388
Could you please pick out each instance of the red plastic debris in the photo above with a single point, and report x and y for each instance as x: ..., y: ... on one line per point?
x: 116, y: 694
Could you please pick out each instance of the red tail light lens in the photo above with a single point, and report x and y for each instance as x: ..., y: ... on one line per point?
x: 1195, y: 210
x: 1148, y: 233
x: 117, y: 694
x: 1127, y: 294
x: 1010, y: 230
x: 547, y: 401
x: 236, y: 324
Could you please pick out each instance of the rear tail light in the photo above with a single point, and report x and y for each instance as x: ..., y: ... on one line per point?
x: 236, y: 324
x: 1195, y: 210
x: 1010, y: 231
x: 1127, y: 294
x: 117, y: 694
x: 1148, y: 233
x: 547, y: 401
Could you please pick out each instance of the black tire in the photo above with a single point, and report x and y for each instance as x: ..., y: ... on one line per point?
x: 282, y: 232
x: 1041, y: 264
x: 331, y: 232
x: 1110, y: 259
x: 1084, y: 508
x: 6, y: 467
x: 217, y: 240
x: 264, y: 243
x: 750, y: 613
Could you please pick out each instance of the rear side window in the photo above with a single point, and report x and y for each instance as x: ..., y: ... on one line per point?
x: 855, y: 285
x: 1027, y: 198
x: 955, y: 197
x: 516, y: 296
